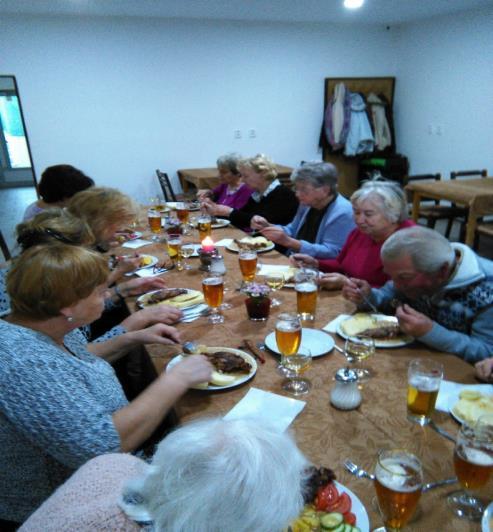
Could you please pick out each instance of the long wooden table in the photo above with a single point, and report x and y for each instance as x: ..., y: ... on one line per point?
x: 209, y: 177
x: 328, y: 436
x: 476, y: 194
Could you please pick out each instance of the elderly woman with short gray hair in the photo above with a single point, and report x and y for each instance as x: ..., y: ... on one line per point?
x: 231, y: 192
x: 323, y: 220
x: 380, y: 209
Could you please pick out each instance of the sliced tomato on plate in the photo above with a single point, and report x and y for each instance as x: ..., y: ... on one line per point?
x: 326, y: 497
x: 349, y: 519
x: 342, y: 505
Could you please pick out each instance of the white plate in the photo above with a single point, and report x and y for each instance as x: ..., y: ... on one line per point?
x: 233, y: 246
x: 319, y: 342
x: 128, y: 237
x: 487, y: 521
x: 453, y: 399
x: 357, y: 508
x: 174, y: 204
x: 141, y: 301
x: 241, y: 377
x: 400, y: 341
x: 154, y: 261
x: 220, y: 222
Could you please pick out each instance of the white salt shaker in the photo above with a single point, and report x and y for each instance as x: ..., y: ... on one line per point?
x: 345, y: 395
x: 217, y: 264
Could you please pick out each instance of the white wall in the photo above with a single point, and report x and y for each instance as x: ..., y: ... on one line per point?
x: 445, y: 78
x: 119, y: 97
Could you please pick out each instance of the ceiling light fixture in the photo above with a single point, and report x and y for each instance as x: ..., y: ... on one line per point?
x: 353, y: 4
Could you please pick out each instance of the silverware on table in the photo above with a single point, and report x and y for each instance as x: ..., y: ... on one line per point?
x: 359, y: 472
x: 367, y: 301
x: 440, y: 431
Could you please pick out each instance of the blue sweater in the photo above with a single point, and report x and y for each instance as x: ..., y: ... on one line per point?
x: 462, y: 311
x: 334, y: 229
x: 55, y: 413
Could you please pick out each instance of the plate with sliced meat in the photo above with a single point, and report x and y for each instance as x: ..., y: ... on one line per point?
x: 232, y: 367
x: 176, y: 297
x: 384, y: 329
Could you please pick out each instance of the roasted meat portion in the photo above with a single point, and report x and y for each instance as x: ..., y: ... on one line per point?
x: 227, y: 362
x: 163, y: 295
x: 386, y: 330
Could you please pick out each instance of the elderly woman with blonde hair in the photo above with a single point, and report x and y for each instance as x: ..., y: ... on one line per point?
x: 379, y: 209
x: 210, y: 475
x: 60, y: 404
x: 270, y: 199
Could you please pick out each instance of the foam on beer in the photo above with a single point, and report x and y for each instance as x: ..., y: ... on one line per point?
x: 476, y: 457
x: 306, y: 287
x: 394, y: 475
x: 425, y: 383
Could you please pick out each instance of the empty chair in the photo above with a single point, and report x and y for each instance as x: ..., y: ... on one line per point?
x: 483, y: 229
x: 434, y: 212
x: 165, y: 183
x: 461, y: 217
x: 4, y: 247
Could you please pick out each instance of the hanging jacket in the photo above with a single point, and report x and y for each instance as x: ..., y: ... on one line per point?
x: 360, y: 136
x: 381, y: 128
x: 337, y: 117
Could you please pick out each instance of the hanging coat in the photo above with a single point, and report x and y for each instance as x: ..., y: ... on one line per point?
x: 337, y: 117
x: 360, y: 136
x: 381, y: 128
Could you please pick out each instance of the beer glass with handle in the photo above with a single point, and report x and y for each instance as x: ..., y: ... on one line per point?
x: 204, y: 226
x: 473, y: 463
x: 288, y: 339
x: 213, y: 288
x: 423, y: 382
x: 359, y: 348
x: 398, y: 484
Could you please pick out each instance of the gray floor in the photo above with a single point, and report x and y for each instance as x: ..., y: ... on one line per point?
x: 13, y: 202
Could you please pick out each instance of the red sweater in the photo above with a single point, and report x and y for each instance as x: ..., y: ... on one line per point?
x: 360, y: 258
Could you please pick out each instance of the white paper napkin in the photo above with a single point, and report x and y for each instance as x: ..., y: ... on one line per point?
x: 449, y: 390
x: 137, y: 243
x: 147, y: 272
x: 224, y: 242
x: 266, y: 269
x: 268, y: 408
x: 332, y: 325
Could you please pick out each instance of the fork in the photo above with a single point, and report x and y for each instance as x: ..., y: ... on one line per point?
x: 359, y: 472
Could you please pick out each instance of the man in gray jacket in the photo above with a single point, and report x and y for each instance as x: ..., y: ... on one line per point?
x: 442, y: 292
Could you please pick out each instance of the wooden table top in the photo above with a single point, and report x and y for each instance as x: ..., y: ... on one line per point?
x: 461, y: 191
x: 328, y: 436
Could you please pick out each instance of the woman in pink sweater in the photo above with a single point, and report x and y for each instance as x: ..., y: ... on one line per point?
x: 380, y: 209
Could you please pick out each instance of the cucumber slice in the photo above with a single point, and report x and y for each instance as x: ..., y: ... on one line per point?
x: 340, y: 528
x: 355, y: 529
x: 332, y: 521
x: 348, y: 528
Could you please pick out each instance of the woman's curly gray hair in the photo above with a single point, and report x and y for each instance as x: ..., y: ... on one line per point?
x: 215, y: 474
x: 388, y: 197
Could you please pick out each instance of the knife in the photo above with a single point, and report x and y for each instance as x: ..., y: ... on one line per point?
x: 255, y: 352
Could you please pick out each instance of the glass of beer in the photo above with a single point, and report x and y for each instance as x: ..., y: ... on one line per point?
x: 213, y: 288
x: 473, y: 463
x: 154, y: 220
x: 248, y: 264
x: 204, y: 226
x: 398, y: 483
x: 423, y: 382
x: 356, y: 349
x: 182, y: 212
x: 174, y: 250
x: 293, y: 361
x: 275, y: 281
x: 305, y: 284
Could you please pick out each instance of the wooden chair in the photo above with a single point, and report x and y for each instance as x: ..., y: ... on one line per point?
x: 482, y: 229
x: 164, y: 181
x: 461, y: 217
x: 435, y: 211
x: 4, y: 247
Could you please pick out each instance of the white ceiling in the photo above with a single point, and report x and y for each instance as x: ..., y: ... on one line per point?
x: 372, y: 12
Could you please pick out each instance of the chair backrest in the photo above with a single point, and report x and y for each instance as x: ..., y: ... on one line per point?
x: 165, y: 183
x: 420, y: 177
x: 4, y: 247
x: 468, y: 173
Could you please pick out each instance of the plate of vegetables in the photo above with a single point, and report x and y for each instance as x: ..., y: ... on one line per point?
x: 330, y: 506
